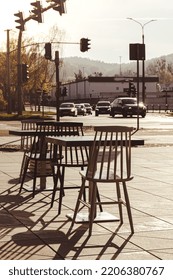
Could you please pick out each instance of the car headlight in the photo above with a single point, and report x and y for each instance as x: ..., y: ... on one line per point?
x: 141, y: 105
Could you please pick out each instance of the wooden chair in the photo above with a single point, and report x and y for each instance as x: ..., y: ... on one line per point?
x: 109, y: 162
x: 37, y: 160
x: 40, y: 159
x: 26, y: 141
x: 71, y: 157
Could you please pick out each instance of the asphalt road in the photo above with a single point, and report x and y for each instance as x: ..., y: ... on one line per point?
x: 155, y: 128
x: 151, y: 121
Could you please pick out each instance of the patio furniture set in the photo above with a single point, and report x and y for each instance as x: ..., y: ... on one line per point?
x: 103, y: 158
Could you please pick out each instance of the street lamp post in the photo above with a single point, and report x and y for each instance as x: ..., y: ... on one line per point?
x: 143, y: 61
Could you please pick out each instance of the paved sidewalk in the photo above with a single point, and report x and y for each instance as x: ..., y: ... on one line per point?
x: 30, y: 229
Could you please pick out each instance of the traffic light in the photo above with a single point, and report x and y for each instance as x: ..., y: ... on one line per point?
x: 134, y: 92
x: 48, y: 51
x: 132, y: 89
x: 20, y: 20
x: 60, y: 8
x: 64, y: 91
x: 37, y: 11
x: 84, y: 44
x: 24, y: 72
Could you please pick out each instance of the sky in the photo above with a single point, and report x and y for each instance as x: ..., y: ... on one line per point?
x: 105, y: 23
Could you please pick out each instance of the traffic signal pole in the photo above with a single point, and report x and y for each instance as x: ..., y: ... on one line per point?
x: 36, y: 16
x: 19, y: 75
x: 57, y: 93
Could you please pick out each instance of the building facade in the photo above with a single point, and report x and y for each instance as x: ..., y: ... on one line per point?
x: 93, y: 89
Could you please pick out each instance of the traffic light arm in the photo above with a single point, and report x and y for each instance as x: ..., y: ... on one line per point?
x: 19, y: 82
x: 32, y: 16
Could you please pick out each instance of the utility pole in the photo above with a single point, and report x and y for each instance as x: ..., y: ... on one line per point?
x: 120, y: 67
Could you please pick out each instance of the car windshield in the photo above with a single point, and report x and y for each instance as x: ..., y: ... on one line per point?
x: 67, y: 105
x: 128, y: 101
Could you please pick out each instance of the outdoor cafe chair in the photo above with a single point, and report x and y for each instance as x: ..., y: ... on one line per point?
x: 109, y: 162
x: 72, y: 156
x: 26, y: 141
x: 38, y: 161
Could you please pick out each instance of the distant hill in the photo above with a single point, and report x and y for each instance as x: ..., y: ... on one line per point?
x: 71, y: 65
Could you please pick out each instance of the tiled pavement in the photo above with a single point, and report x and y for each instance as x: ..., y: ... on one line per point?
x: 31, y: 230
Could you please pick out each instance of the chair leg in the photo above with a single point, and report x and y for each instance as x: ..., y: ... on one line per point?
x: 128, y: 207
x: 119, y: 202
x: 25, y: 168
x: 61, y: 192
x: 99, y: 200
x: 22, y: 167
x: 92, y: 211
x: 55, y: 182
x: 82, y: 189
x: 34, y: 178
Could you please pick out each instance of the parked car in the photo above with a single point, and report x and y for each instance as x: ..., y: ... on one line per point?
x: 127, y: 106
x: 88, y: 108
x: 67, y: 109
x: 81, y: 109
x: 102, y: 107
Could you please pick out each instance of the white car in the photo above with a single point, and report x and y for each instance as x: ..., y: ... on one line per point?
x: 67, y: 109
x: 88, y: 108
x: 81, y: 110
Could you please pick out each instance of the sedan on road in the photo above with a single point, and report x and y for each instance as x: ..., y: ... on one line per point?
x: 127, y: 106
x: 102, y: 107
x: 81, y: 109
x: 88, y: 108
x: 67, y: 109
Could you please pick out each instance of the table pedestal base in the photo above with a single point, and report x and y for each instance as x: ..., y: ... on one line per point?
x: 101, y: 217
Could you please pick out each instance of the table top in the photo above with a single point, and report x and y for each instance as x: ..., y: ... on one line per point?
x: 20, y: 132
x: 85, y: 140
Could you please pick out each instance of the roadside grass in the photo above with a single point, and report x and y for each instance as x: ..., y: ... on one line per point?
x: 27, y: 115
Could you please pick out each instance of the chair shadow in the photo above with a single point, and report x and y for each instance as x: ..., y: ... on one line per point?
x: 68, y: 242
x: 16, y: 181
x: 15, y: 218
x: 72, y: 243
x: 103, y: 247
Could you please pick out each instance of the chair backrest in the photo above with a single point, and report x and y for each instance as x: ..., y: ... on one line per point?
x: 29, y: 124
x: 69, y: 128
x: 72, y: 156
x: 26, y: 141
x: 52, y: 128
x: 110, y: 157
x: 61, y: 128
